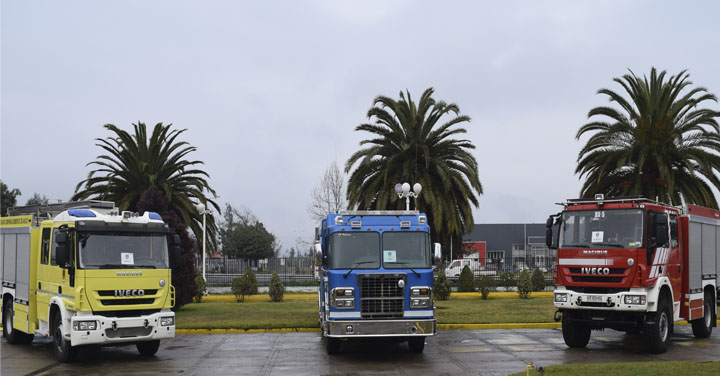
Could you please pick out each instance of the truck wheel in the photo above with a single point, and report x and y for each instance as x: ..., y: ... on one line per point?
x: 13, y: 336
x: 576, y: 335
x: 64, y: 351
x: 702, y: 327
x: 658, y: 333
x: 148, y: 348
x: 417, y: 345
x: 332, y: 345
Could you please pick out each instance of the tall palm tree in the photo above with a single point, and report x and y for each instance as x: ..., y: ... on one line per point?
x: 410, y: 144
x: 658, y: 144
x: 134, y: 163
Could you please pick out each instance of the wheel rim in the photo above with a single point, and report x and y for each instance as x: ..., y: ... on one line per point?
x: 663, y: 326
x: 708, y: 314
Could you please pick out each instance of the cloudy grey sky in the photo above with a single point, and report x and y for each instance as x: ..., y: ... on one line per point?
x: 271, y: 91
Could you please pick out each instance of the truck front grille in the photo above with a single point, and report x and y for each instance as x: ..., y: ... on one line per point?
x: 130, y: 301
x: 129, y: 332
x: 380, y: 295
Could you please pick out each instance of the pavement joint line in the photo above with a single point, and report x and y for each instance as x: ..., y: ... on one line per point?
x: 541, y: 325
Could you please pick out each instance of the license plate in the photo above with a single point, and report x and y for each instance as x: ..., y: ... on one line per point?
x: 595, y: 298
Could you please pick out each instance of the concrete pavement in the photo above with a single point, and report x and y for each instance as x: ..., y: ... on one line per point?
x: 478, y: 352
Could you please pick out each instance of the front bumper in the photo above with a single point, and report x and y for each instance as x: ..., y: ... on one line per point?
x: 604, y: 302
x: 381, y: 328
x: 122, y: 329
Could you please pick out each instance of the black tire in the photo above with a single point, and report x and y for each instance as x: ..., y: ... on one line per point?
x: 64, y: 351
x: 576, y: 335
x: 332, y: 345
x: 416, y: 345
x: 658, y: 333
x: 702, y: 327
x: 148, y: 348
x: 13, y: 336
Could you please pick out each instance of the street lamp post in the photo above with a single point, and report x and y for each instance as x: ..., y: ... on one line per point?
x: 403, y: 191
x: 204, y: 211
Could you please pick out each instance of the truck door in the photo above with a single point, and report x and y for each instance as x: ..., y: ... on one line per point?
x: 42, y: 296
x: 56, y: 280
x: 674, y: 267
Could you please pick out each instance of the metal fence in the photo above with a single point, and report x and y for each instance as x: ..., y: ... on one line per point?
x: 221, y: 271
x: 504, y: 272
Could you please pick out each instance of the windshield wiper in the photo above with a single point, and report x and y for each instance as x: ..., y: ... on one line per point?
x: 355, y: 265
x: 116, y: 266
x: 405, y: 263
x: 610, y: 245
x: 576, y: 246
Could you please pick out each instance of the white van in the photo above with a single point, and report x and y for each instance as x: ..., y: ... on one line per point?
x: 453, y: 270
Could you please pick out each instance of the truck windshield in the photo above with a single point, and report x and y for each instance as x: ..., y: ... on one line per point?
x: 122, y: 250
x: 406, y: 250
x: 354, y: 249
x: 617, y: 228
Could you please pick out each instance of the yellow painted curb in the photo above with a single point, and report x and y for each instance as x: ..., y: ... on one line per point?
x: 242, y: 331
x: 497, y: 294
x: 306, y: 296
x: 256, y: 298
x: 548, y: 325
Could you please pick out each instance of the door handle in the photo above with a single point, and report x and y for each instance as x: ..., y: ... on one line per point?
x: 679, y: 268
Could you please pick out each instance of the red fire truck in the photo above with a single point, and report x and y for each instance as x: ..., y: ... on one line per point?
x: 635, y: 265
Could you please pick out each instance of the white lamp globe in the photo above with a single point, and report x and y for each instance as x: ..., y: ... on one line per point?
x: 398, y: 188
x: 417, y: 188
x: 406, y: 188
x: 200, y: 208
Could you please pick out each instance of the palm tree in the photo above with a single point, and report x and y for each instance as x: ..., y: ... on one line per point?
x: 658, y: 144
x: 133, y: 164
x: 410, y: 144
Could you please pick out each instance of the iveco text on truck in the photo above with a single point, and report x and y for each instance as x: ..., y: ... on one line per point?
x: 86, y: 274
x: 635, y: 265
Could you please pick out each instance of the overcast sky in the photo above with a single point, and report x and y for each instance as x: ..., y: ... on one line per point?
x: 271, y: 91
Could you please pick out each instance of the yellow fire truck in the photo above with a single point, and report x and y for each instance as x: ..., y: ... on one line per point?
x: 86, y: 274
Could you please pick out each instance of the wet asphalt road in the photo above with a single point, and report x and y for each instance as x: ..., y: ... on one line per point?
x: 479, y: 352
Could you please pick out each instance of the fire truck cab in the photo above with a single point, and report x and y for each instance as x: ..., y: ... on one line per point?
x: 635, y: 265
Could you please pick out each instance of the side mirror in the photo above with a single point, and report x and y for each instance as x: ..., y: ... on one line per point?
x: 552, y: 231
x: 318, y: 252
x: 174, y: 256
x: 61, y: 249
x: 176, y: 239
x: 437, y: 253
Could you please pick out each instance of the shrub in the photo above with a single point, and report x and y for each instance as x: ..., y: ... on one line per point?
x: 538, y: 280
x: 486, y: 284
x: 524, y: 285
x: 466, y: 282
x: 442, y: 286
x: 245, y: 286
x: 201, y: 289
x: 277, y: 290
x: 507, y: 280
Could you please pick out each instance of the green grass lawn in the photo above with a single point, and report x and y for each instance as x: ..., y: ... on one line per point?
x: 302, y: 313
x: 495, y: 310
x: 634, y: 369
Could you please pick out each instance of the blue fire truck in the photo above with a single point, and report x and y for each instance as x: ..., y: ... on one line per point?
x: 376, y: 277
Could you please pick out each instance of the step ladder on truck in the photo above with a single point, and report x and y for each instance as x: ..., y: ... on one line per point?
x: 86, y: 273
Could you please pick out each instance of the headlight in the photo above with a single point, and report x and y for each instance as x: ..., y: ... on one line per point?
x: 420, y: 302
x: 634, y: 299
x: 167, y: 321
x: 420, y: 291
x: 343, y: 297
x: 561, y: 298
x: 84, y: 325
